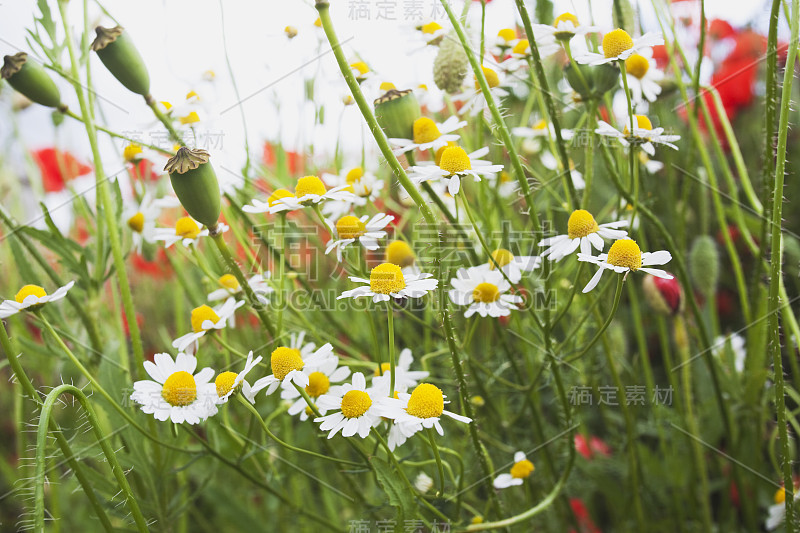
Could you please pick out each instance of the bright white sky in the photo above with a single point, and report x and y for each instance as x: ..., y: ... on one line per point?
x: 181, y: 39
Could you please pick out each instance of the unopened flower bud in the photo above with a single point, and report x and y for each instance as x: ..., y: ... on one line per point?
x: 195, y: 183
x: 29, y: 79
x: 117, y: 52
x: 704, y: 265
x: 450, y: 66
x: 664, y: 296
x: 396, y: 112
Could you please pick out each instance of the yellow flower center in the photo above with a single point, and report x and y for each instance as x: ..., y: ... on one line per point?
x: 200, y: 315
x: 566, y: 17
x: 136, y: 222
x: 521, y: 47
x: 780, y: 496
x: 350, y: 227
x: 492, y: 79
x: 383, y: 368
x: 131, y: 151
x: 283, y: 360
x: 522, y: 469
x: 454, y: 160
x: 167, y: 106
x: 290, y: 31
x: 637, y: 66
x: 437, y: 157
x: 400, y: 253
x: 387, y: 86
x: 179, y: 389
x: 505, y: 177
x: 360, y: 66
x: 541, y: 125
x: 224, y: 383
x: 355, y: 403
x: 425, y: 130
x: 187, y: 228
x: 642, y: 122
x: 229, y: 281
x: 309, y: 185
x: 430, y: 28
x: 27, y: 290
x: 277, y: 194
x: 486, y: 293
x: 502, y: 257
x: 353, y: 175
x: 191, y: 118
x: 386, y: 278
x: 625, y: 253
x: 615, y: 42
x: 318, y: 22
x: 427, y: 401
x: 318, y: 384
x: 580, y: 224
x: 507, y: 34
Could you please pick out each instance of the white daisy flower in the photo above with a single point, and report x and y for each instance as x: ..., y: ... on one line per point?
x: 320, y: 381
x: 363, y: 184
x: 287, y: 365
x: 513, y: 265
x: 474, y: 100
x: 31, y: 297
x: 505, y: 40
x: 412, y: 412
x: 484, y: 291
x: 309, y: 190
x: 644, y: 135
x: 259, y: 283
x: 404, y: 377
x: 187, y: 231
x: 388, y: 281
x: 356, y: 409
x: 776, y: 513
x: 625, y: 256
x: 428, y: 135
x: 619, y: 46
x: 205, y: 318
x: 521, y: 470
x: 453, y: 165
x: 584, y: 232
x: 565, y: 27
x: 643, y: 77
x: 141, y: 217
x: 431, y: 33
x: 257, y: 206
x: 175, y: 393
x: 229, y: 382
x: 350, y: 229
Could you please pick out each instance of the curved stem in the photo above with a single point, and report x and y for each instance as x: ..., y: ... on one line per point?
x: 307, y: 398
x: 437, y: 458
x: 617, y: 296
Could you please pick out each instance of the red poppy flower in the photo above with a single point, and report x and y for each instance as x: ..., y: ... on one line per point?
x: 143, y: 170
x: 57, y: 168
x: 157, y: 268
x: 294, y: 160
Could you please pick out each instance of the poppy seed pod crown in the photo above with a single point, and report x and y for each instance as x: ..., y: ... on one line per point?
x: 195, y: 183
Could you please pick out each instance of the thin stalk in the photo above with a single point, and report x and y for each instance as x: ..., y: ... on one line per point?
x: 599, y: 333
x: 437, y: 458
x: 392, y: 363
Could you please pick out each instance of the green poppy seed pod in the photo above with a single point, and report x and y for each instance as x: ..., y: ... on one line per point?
x: 30, y: 80
x: 396, y: 112
x: 581, y: 79
x: 450, y: 66
x: 116, y: 50
x: 606, y: 77
x: 704, y: 265
x: 195, y: 183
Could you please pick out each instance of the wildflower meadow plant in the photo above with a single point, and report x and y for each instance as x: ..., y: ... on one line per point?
x: 472, y: 270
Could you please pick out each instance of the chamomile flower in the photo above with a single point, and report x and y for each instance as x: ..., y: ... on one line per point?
x: 484, y: 291
x: 513, y: 265
x: 625, y: 256
x: 565, y: 27
x: 271, y: 205
x: 776, y: 513
x: 230, y: 287
x: 505, y: 40
x: 229, y: 382
x: 643, y: 76
x: 176, y: 393
x: 287, y: 365
x: 387, y: 281
x: 141, y: 217
x: 644, y: 135
x: 186, y: 231
x: 31, y: 297
x: 356, y: 409
x: 422, y: 409
x: 520, y: 471
x: 431, y: 33
x: 454, y: 164
x: 582, y: 231
x: 365, y: 230
x: 310, y: 190
x: 428, y: 135
x: 320, y: 381
x: 362, y: 183
x: 205, y: 318
x: 404, y: 377
x: 474, y: 100
x: 617, y: 45
x: 361, y: 71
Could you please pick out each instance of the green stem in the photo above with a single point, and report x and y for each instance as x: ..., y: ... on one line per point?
x: 392, y: 363
x: 599, y: 333
x: 107, y: 131
x: 440, y: 468
x: 307, y: 398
